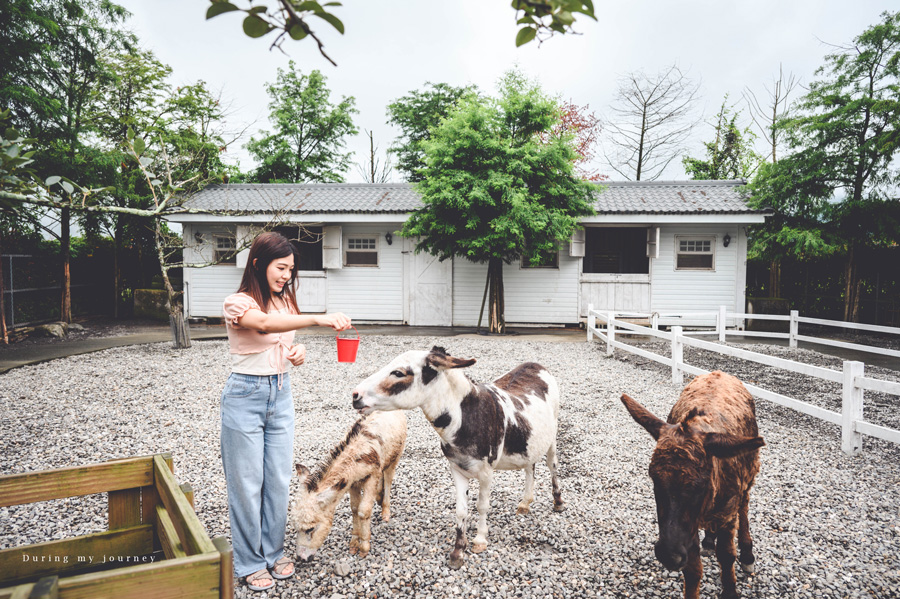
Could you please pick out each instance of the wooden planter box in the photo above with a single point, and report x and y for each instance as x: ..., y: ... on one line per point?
x: 149, y: 515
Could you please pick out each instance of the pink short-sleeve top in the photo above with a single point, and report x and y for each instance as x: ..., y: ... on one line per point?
x: 252, y: 351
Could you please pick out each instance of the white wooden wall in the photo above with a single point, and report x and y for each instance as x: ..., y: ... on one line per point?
x: 696, y: 290
x: 532, y: 295
x: 365, y: 292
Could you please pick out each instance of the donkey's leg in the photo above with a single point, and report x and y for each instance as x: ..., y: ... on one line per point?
x: 370, y: 489
x: 484, y: 504
x: 693, y: 570
x: 726, y: 556
x: 386, y: 492
x: 552, y: 463
x: 745, y: 541
x: 524, y: 505
x: 462, y: 517
x: 708, y: 545
x: 355, y: 497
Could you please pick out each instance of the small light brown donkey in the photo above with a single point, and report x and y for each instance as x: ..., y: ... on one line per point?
x: 363, y: 465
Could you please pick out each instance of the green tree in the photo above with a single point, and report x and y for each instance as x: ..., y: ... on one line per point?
x: 308, y: 142
x: 493, y: 190
x: 417, y: 113
x: 839, y: 179
x: 539, y: 19
x: 730, y: 155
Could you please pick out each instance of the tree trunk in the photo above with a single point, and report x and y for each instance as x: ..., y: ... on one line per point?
x: 117, y: 247
x: 487, y: 282
x: 775, y: 278
x: 851, y: 288
x: 3, y: 331
x: 65, y: 246
x: 181, y: 334
x: 496, y: 319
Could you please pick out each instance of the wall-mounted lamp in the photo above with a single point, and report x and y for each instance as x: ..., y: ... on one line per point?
x: 198, y: 236
x: 726, y: 240
x: 389, y: 238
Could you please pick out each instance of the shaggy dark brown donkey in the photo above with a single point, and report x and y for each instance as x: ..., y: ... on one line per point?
x: 704, y: 464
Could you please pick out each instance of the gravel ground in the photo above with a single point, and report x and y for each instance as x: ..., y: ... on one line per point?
x: 824, y: 524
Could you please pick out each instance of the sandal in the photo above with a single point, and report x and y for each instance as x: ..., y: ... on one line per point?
x: 263, y: 575
x: 285, y: 564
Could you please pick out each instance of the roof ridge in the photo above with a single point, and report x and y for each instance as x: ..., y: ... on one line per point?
x: 687, y: 183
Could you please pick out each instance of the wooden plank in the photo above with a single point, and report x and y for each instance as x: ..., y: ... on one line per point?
x: 191, y: 532
x: 26, y: 563
x: 18, y: 592
x: 800, y: 406
x: 878, y: 385
x: 866, y: 348
x: 45, y: 588
x: 875, y: 430
x: 31, y: 487
x: 643, y: 353
x: 807, y: 369
x: 851, y: 325
x: 188, y: 493
x: 226, y: 568
x: 124, y: 508
x: 196, y: 577
x: 167, y: 535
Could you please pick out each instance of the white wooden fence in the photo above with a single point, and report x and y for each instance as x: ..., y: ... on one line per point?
x: 852, y: 378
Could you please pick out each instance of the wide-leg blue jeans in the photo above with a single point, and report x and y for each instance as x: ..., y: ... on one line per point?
x: 257, y: 449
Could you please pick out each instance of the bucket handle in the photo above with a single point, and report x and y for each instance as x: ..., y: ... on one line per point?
x: 338, y: 336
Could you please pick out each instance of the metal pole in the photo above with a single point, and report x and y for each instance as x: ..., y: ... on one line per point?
x: 12, y: 295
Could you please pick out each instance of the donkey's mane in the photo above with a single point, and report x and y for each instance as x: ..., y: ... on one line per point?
x: 315, y: 478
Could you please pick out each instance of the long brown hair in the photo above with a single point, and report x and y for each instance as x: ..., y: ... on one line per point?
x: 267, y: 247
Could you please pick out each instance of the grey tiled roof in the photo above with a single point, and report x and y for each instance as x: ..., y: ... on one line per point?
x: 655, y: 197
x: 318, y: 197
x: 672, y: 197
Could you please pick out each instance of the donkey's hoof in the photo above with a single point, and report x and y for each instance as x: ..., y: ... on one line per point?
x: 559, y: 507
x: 455, y: 561
x: 748, y: 568
x: 354, y: 550
x: 478, y: 547
x: 522, y: 510
x: 386, y: 516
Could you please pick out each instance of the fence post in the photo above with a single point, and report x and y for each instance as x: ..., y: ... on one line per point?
x: 677, y: 356
x: 591, y: 323
x: 851, y: 408
x: 795, y: 328
x: 610, y: 332
x: 654, y: 321
x: 720, y: 324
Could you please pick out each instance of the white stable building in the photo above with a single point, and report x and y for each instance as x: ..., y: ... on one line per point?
x: 651, y: 247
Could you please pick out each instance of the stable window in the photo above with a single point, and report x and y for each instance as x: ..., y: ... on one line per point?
x: 615, y: 250
x: 361, y: 250
x: 695, y: 253
x: 547, y: 260
x: 225, y: 249
x: 308, y: 243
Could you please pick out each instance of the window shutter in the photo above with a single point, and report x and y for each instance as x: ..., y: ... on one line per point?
x: 652, y: 242
x: 331, y: 247
x: 576, y: 244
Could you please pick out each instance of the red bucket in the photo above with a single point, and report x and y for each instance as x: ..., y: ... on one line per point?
x: 346, y: 348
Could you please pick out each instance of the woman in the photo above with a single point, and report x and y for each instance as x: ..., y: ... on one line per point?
x: 258, y: 410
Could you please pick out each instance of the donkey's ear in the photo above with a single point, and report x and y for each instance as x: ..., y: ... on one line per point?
x: 302, y: 471
x: 643, y: 416
x: 442, y: 361
x: 327, y: 496
x: 723, y: 445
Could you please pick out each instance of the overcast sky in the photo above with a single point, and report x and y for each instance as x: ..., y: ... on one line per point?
x: 392, y: 47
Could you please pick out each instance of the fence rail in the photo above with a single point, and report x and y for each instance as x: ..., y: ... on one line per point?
x: 852, y: 378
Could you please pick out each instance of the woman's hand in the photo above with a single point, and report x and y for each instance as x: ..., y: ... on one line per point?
x: 337, y: 321
x: 297, y: 355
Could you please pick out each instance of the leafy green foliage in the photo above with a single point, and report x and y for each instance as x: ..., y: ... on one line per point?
x: 417, y: 113
x: 540, y: 19
x: 493, y: 189
x: 730, y: 155
x: 841, y: 177
x: 308, y: 142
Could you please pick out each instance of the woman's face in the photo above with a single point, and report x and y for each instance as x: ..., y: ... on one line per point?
x: 279, y: 273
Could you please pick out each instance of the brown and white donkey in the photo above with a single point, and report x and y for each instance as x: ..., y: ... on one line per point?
x: 509, y: 424
x: 363, y: 465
